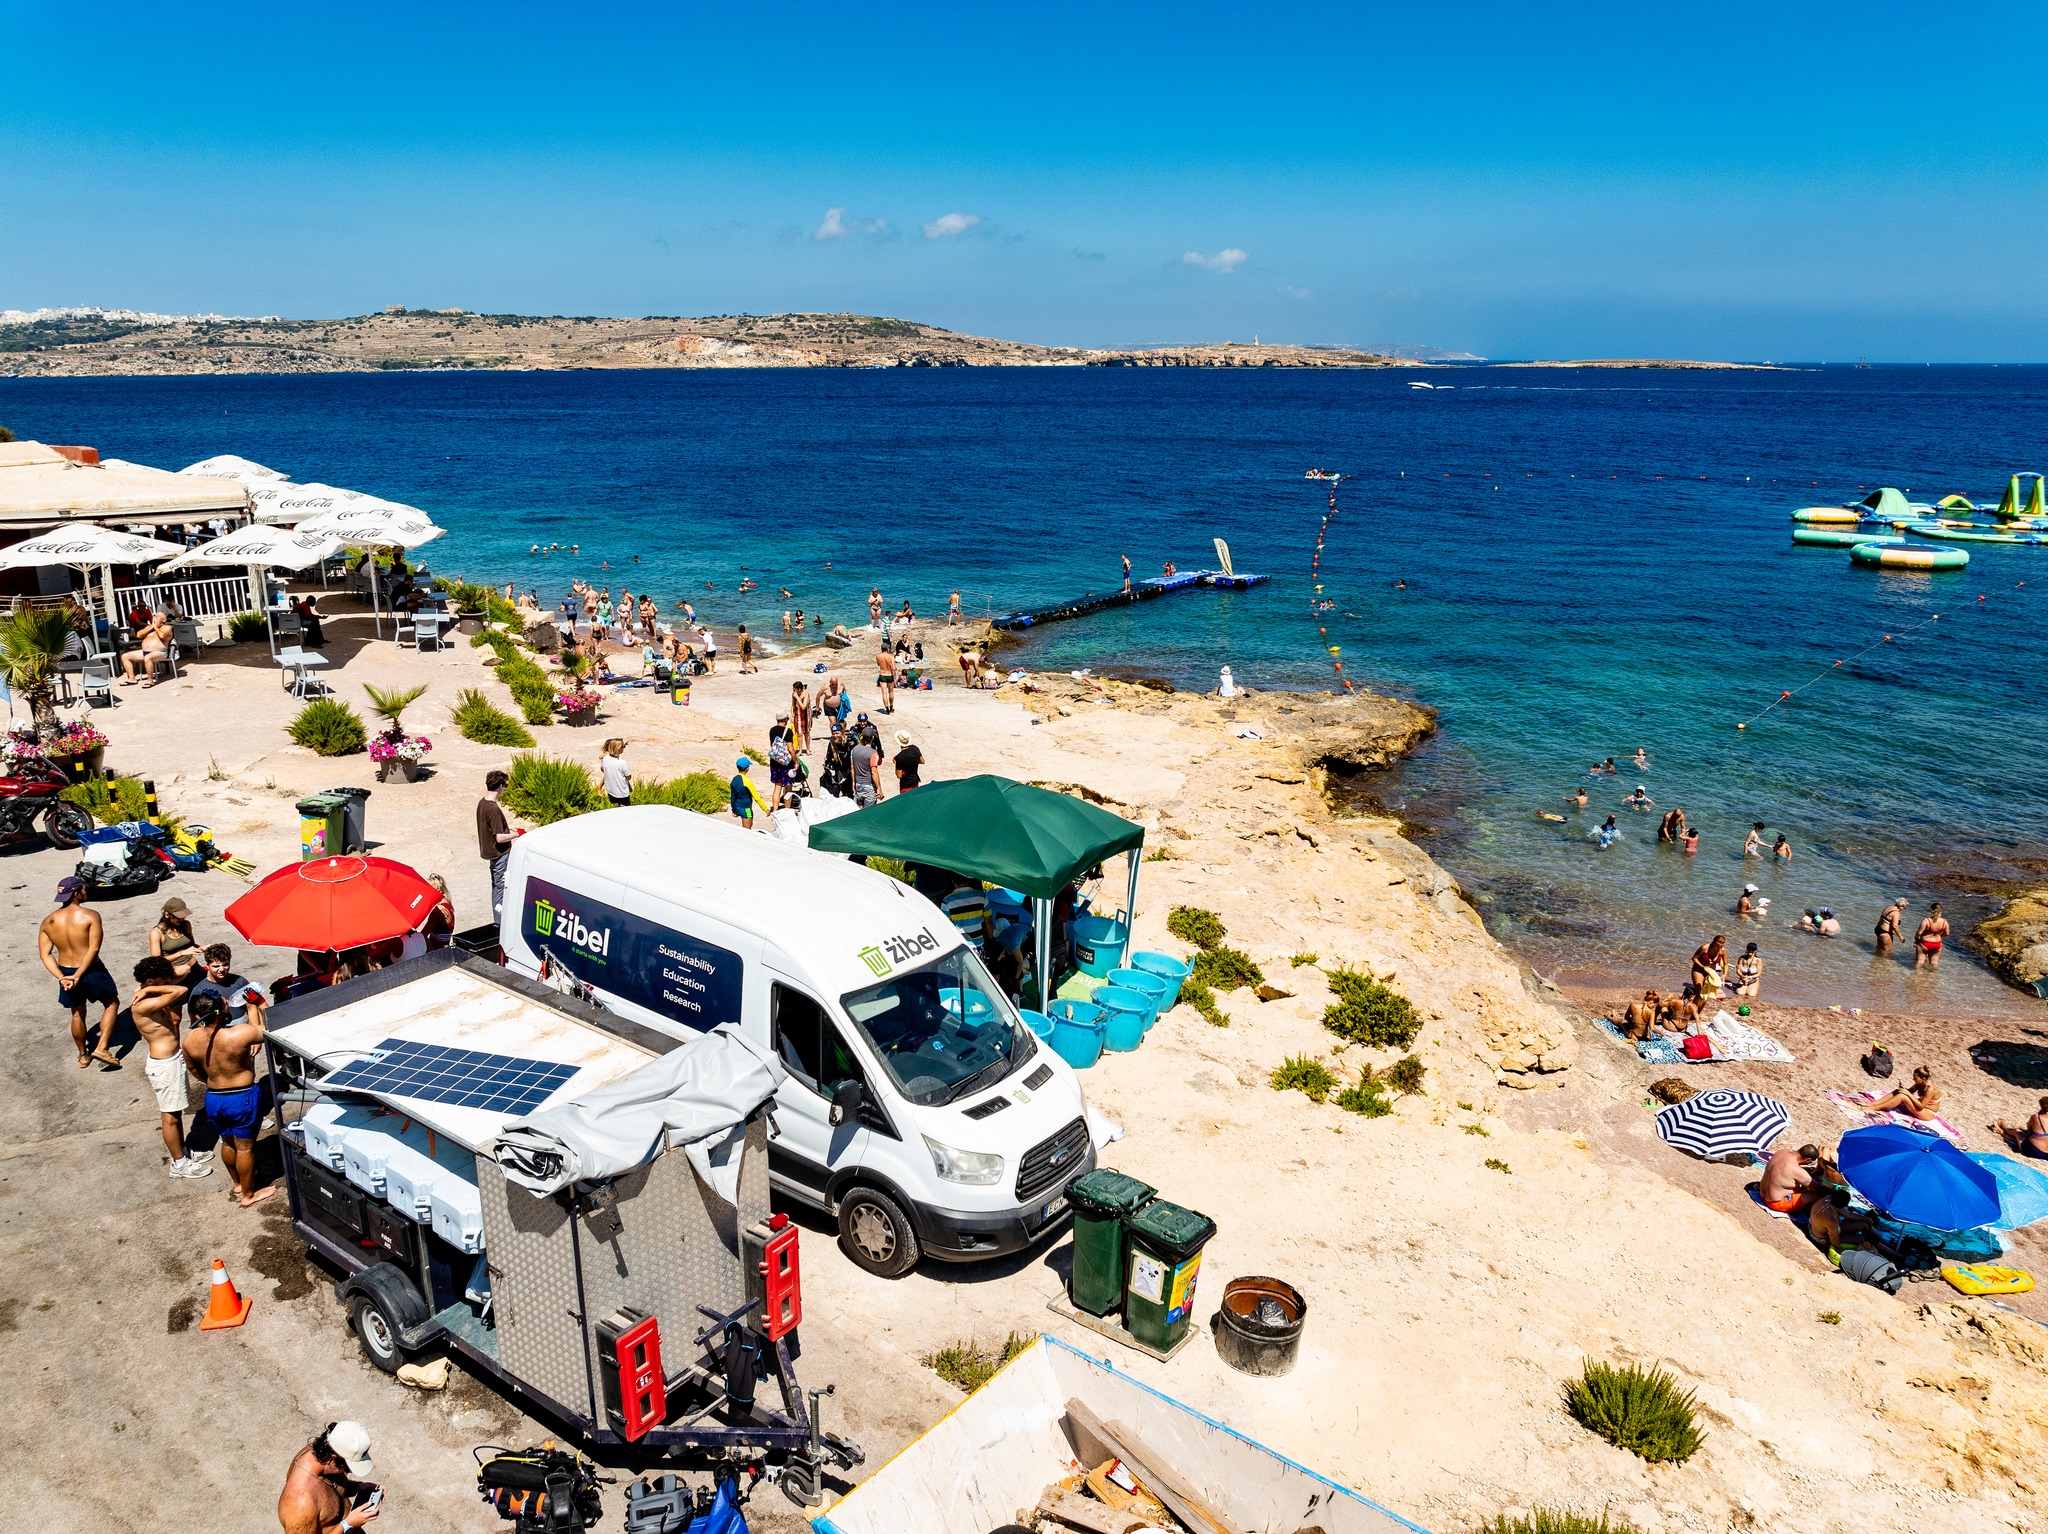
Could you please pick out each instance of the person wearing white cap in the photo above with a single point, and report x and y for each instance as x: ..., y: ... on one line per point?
x: 1746, y: 903
x: 328, y: 1490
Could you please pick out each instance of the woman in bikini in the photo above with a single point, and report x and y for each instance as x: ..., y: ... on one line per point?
x: 2032, y: 1138
x: 1749, y: 972
x: 1709, y: 965
x: 1922, y: 1100
x: 1928, y: 940
x: 171, y: 938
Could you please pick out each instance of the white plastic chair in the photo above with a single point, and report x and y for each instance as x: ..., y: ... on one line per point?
x: 297, y: 665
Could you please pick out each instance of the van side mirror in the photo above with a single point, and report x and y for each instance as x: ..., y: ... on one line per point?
x: 848, y: 1098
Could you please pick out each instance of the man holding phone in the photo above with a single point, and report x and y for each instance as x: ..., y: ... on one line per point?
x: 325, y: 1491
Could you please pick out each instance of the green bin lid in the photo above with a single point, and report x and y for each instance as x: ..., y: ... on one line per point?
x: 320, y: 804
x: 1106, y: 1191
x: 1169, y: 1231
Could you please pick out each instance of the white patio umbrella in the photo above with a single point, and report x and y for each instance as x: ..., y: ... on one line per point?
x: 87, y: 546
x: 228, y: 466
x: 287, y: 501
x: 258, y: 548
x: 370, y: 523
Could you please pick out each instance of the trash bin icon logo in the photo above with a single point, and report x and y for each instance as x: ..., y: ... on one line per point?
x: 544, y: 918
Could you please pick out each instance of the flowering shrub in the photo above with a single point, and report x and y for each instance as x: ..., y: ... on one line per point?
x: 19, y: 745
x: 576, y: 702
x: 402, y: 748
x: 79, y: 736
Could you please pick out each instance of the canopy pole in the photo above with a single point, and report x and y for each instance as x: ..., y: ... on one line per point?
x: 1136, y: 856
x: 107, y: 586
x: 1042, y: 926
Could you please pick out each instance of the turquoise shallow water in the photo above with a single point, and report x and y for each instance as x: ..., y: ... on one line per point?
x: 1594, y: 561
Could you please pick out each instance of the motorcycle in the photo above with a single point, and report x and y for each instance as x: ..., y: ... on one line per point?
x: 29, y: 791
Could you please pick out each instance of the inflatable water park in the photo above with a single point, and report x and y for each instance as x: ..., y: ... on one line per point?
x: 1879, y: 530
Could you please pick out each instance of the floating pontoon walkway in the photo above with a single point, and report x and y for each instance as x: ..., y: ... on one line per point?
x: 1141, y: 591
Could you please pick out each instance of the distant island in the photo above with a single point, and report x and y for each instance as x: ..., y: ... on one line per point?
x: 1650, y: 362
x: 74, y: 343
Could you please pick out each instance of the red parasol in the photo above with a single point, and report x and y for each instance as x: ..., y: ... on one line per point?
x: 334, y: 903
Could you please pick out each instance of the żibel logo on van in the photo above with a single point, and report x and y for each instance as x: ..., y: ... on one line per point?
x: 569, y: 927
x: 897, y: 950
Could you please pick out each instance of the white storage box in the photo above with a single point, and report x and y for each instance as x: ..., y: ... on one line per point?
x: 458, y: 1214
x: 365, y: 1152
x: 409, y: 1178
x: 322, y: 1131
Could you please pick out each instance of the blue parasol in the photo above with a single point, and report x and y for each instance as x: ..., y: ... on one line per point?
x: 1919, y: 1177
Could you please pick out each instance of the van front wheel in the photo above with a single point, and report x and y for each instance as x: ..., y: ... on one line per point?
x: 876, y: 1233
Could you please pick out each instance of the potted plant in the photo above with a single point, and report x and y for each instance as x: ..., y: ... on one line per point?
x: 31, y: 645
x: 580, y: 705
x: 396, y: 753
x: 79, y: 749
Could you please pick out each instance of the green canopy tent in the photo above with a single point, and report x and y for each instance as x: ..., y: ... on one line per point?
x: 987, y: 827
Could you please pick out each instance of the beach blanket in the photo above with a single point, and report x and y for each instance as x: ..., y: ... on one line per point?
x: 2022, y: 1189
x: 1733, y: 1039
x: 1755, y: 1191
x: 1857, y: 1106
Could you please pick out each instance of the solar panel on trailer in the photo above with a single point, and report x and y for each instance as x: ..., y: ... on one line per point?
x: 462, y: 1078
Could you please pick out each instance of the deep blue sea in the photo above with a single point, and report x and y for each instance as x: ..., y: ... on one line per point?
x: 1594, y: 561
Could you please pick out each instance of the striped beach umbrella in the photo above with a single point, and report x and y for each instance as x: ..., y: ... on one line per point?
x: 1723, y: 1122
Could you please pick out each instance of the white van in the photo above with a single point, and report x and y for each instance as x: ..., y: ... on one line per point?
x: 921, y: 1125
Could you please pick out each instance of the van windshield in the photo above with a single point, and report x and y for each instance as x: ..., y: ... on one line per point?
x: 934, y: 1048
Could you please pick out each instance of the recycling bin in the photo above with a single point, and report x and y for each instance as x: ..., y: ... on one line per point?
x: 1166, y: 1244
x: 356, y: 815
x: 1102, y: 1202
x: 323, y: 826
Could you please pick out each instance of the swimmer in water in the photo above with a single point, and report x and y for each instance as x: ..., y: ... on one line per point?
x: 1610, y: 769
x: 1578, y: 799
x: 1753, y: 844
x: 1607, y: 832
x: 1782, y: 849
x: 1640, y: 799
x: 1642, y: 757
x: 1692, y: 841
x: 1672, y: 826
x: 1745, y: 903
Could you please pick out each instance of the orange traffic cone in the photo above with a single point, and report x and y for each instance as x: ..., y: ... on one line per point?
x: 225, y: 1307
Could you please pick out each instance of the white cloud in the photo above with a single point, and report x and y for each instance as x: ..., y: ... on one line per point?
x: 838, y: 226
x: 947, y: 225
x: 1224, y: 262
x: 1287, y: 292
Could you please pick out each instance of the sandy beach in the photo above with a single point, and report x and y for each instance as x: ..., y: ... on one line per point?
x: 1450, y: 1297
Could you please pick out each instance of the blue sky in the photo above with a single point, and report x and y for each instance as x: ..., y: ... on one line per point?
x: 1797, y: 182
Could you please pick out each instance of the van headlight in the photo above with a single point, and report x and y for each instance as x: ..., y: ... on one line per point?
x: 977, y: 1169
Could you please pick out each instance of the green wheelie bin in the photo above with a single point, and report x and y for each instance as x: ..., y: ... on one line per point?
x: 1102, y: 1202
x: 323, y: 826
x: 1166, y: 1244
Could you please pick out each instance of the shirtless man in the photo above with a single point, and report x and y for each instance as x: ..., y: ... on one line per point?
x: 1890, y: 926
x: 885, y: 677
x: 155, y: 1006
x: 1578, y: 799
x: 323, y: 1492
x: 222, y: 1053
x: 1922, y: 1100
x: 1788, y: 1184
x: 2032, y: 1138
x: 1672, y: 826
x: 68, y: 943
x: 1926, y: 942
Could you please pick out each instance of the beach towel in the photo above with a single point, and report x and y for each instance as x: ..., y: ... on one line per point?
x: 1857, y: 1106
x: 1736, y: 1038
x: 2022, y: 1190
x: 1755, y: 1191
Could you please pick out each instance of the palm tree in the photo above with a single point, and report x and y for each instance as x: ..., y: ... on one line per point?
x: 392, y: 704
x: 31, y: 644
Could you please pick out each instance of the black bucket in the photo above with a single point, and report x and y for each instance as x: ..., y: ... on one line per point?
x: 1258, y: 1326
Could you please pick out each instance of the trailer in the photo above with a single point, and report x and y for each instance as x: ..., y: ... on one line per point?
x: 656, y: 1307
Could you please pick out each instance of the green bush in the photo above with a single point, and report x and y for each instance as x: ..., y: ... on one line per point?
x: 330, y: 728
x: 1404, y: 1076
x: 481, y: 720
x: 1225, y: 969
x: 1301, y: 959
x: 1193, y: 925
x: 704, y: 792
x: 1368, y: 1099
x: 1203, y: 1000
x: 500, y: 610
x: 1555, y: 1520
x: 1641, y: 1411
x: 243, y: 627
x: 1367, y: 1012
x: 1299, y: 1073
x: 895, y: 868
x: 545, y: 789
x: 969, y: 1366
x: 108, y: 799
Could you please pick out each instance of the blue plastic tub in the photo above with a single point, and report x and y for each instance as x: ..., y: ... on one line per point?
x: 1164, y: 965
x: 1153, y: 987
x: 1077, y: 1033
x: 1099, y: 944
x: 1124, y: 1013
x: 1037, y: 1022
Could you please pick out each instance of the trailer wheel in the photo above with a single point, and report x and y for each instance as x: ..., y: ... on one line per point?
x: 376, y: 1333
x: 876, y: 1233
